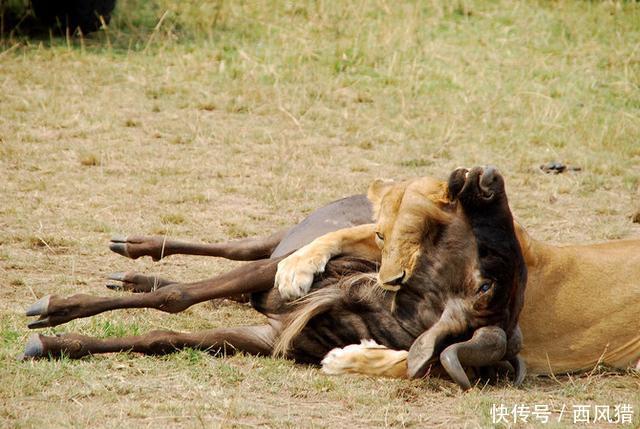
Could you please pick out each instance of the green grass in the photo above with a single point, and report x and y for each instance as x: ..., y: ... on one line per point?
x: 217, y: 119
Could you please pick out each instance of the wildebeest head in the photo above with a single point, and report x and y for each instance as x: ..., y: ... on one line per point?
x: 501, y: 268
x: 454, y: 243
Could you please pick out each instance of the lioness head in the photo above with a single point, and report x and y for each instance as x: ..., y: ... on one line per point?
x: 405, y: 213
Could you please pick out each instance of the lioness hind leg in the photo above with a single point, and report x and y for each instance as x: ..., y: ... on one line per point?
x: 368, y: 358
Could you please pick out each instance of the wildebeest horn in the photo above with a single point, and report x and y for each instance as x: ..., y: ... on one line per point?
x: 487, y: 346
x: 451, y: 322
x: 422, y: 349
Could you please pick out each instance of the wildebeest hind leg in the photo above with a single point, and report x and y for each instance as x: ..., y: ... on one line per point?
x: 158, y: 247
x: 255, y: 340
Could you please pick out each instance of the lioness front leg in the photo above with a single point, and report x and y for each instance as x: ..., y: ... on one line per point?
x: 296, y: 272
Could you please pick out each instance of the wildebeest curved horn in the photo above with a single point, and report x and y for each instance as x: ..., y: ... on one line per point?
x: 422, y: 349
x: 487, y: 346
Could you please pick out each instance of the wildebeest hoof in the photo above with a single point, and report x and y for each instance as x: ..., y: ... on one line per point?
x: 134, y: 282
x: 481, y: 183
x: 43, y: 322
x: 118, y: 244
x: 137, y: 246
x: 488, y: 179
x: 34, y: 348
x: 54, y: 310
x: 119, y: 277
x: 39, y: 307
x: 40, y: 346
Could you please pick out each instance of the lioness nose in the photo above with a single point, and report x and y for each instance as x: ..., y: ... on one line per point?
x: 396, y: 280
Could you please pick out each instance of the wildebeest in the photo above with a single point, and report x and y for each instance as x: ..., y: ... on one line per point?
x: 463, y: 299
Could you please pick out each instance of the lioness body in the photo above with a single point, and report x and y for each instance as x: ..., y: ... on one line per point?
x: 581, y: 305
x: 581, y: 301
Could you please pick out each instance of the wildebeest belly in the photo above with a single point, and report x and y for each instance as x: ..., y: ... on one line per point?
x: 344, y: 213
x: 345, y: 307
x: 341, y: 327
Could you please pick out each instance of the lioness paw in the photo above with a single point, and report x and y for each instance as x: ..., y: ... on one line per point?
x: 295, y: 273
x: 369, y: 358
x: 342, y: 360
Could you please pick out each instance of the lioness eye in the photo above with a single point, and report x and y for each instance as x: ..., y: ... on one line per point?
x: 380, y: 236
x: 485, y: 287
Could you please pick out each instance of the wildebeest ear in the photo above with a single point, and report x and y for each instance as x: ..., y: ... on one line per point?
x: 456, y: 182
x: 377, y: 190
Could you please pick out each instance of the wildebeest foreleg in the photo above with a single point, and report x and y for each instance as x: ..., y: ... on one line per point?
x: 139, y: 283
x: 251, y: 277
x: 255, y: 340
x: 248, y: 249
x: 487, y: 347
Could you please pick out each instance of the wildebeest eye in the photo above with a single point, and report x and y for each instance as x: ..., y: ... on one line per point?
x: 484, y: 287
x: 380, y: 236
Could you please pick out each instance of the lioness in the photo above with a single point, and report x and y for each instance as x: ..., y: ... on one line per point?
x: 581, y: 300
x: 581, y: 303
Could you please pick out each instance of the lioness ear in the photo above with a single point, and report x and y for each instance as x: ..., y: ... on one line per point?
x: 377, y: 190
x: 441, y: 196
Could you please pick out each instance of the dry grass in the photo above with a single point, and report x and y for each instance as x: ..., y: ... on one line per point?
x: 209, y: 120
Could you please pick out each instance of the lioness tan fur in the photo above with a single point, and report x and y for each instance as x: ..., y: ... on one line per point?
x: 581, y: 302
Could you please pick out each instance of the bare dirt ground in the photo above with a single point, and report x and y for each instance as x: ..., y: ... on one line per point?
x: 210, y: 121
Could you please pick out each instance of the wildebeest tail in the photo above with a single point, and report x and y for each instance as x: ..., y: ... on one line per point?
x: 308, y: 307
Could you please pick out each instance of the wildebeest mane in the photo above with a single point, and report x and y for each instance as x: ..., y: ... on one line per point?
x: 347, y: 284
